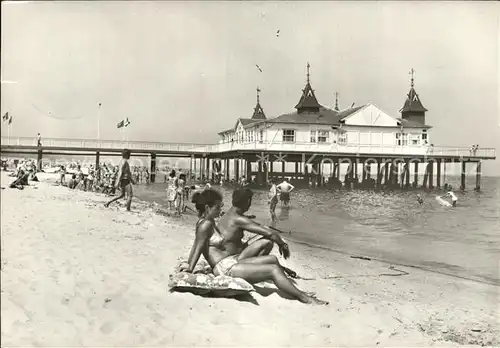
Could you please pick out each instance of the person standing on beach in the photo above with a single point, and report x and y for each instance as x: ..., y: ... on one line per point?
x: 124, y: 180
x: 179, y: 201
x: 285, y: 188
x: 62, y: 172
x: 273, y: 200
x: 39, y: 140
x: 171, y: 189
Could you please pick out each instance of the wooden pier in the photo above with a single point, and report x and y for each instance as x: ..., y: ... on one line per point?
x: 388, y: 166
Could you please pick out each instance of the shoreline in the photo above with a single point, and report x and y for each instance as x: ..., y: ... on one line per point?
x: 64, y: 256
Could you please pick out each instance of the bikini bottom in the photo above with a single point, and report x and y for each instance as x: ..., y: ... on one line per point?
x: 224, y: 266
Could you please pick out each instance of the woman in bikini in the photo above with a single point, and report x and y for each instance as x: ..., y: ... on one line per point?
x: 179, y: 200
x: 214, y: 247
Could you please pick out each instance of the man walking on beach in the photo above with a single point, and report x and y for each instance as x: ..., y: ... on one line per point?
x: 285, y: 188
x: 124, y: 180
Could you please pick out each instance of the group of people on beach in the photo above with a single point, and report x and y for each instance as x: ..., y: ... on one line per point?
x: 25, y: 171
x: 177, y: 192
x: 282, y: 191
x: 219, y: 238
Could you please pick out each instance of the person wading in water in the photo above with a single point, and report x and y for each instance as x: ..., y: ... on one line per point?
x: 124, y: 180
x: 273, y: 200
x: 285, y: 188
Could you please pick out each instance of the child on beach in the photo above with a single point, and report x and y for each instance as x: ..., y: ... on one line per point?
x: 72, y: 182
x: 124, y: 180
x: 225, y: 252
x: 273, y: 200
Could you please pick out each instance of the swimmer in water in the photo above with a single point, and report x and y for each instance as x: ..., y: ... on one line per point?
x: 454, y: 198
x: 420, y: 200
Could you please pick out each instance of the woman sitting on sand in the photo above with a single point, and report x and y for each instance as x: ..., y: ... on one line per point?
x: 212, y: 244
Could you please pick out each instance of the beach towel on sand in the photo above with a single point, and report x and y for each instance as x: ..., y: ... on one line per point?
x: 203, y: 282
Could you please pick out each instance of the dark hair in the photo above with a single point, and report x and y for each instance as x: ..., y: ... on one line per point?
x: 172, y: 173
x: 206, y: 197
x: 182, y: 176
x: 241, y: 197
x: 73, y: 176
x: 126, y: 153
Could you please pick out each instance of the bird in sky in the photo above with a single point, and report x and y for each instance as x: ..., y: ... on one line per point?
x: 258, y: 67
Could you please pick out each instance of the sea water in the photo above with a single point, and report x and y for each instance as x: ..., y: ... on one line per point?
x: 461, y: 241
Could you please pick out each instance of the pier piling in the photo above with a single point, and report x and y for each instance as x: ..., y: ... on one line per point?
x: 386, y: 173
x: 478, y: 176
x: 415, y: 174
x: 407, y: 173
x: 462, y: 176
x: 438, y: 176
x: 431, y: 174
x: 39, y: 159
x: 152, y: 173
x: 379, y: 173
x: 97, y: 158
x: 426, y: 176
x: 237, y: 170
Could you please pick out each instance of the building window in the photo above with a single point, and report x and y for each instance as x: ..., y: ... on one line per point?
x: 415, y: 139
x: 313, y: 136
x: 261, y: 135
x: 402, y: 139
x: 288, y: 135
x: 343, y: 138
x: 323, y: 136
x: 424, y: 136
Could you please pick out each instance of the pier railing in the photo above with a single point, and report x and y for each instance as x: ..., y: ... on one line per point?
x: 275, y: 146
x: 107, y: 144
x: 359, y: 149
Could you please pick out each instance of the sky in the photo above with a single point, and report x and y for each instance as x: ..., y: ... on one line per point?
x: 183, y: 71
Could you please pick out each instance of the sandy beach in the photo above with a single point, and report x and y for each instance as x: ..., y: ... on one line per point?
x: 77, y: 274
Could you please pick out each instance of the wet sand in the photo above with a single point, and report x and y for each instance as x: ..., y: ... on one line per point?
x: 75, y: 273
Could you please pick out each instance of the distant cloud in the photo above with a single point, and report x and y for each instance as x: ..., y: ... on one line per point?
x: 7, y: 82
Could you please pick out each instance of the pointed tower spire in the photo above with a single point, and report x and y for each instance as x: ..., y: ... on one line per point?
x: 413, y: 109
x: 412, y: 81
x: 258, y: 112
x: 308, y: 101
x: 336, y: 101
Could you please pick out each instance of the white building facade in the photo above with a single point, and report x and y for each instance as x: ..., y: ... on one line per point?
x: 364, y: 129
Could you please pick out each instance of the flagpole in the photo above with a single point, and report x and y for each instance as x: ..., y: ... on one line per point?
x: 99, y: 123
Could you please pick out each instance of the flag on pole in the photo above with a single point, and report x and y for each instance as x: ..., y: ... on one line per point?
x: 127, y: 122
x: 5, y: 117
x: 120, y: 124
x: 10, y: 120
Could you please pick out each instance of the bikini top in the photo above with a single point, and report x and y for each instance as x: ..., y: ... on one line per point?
x: 216, y: 240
